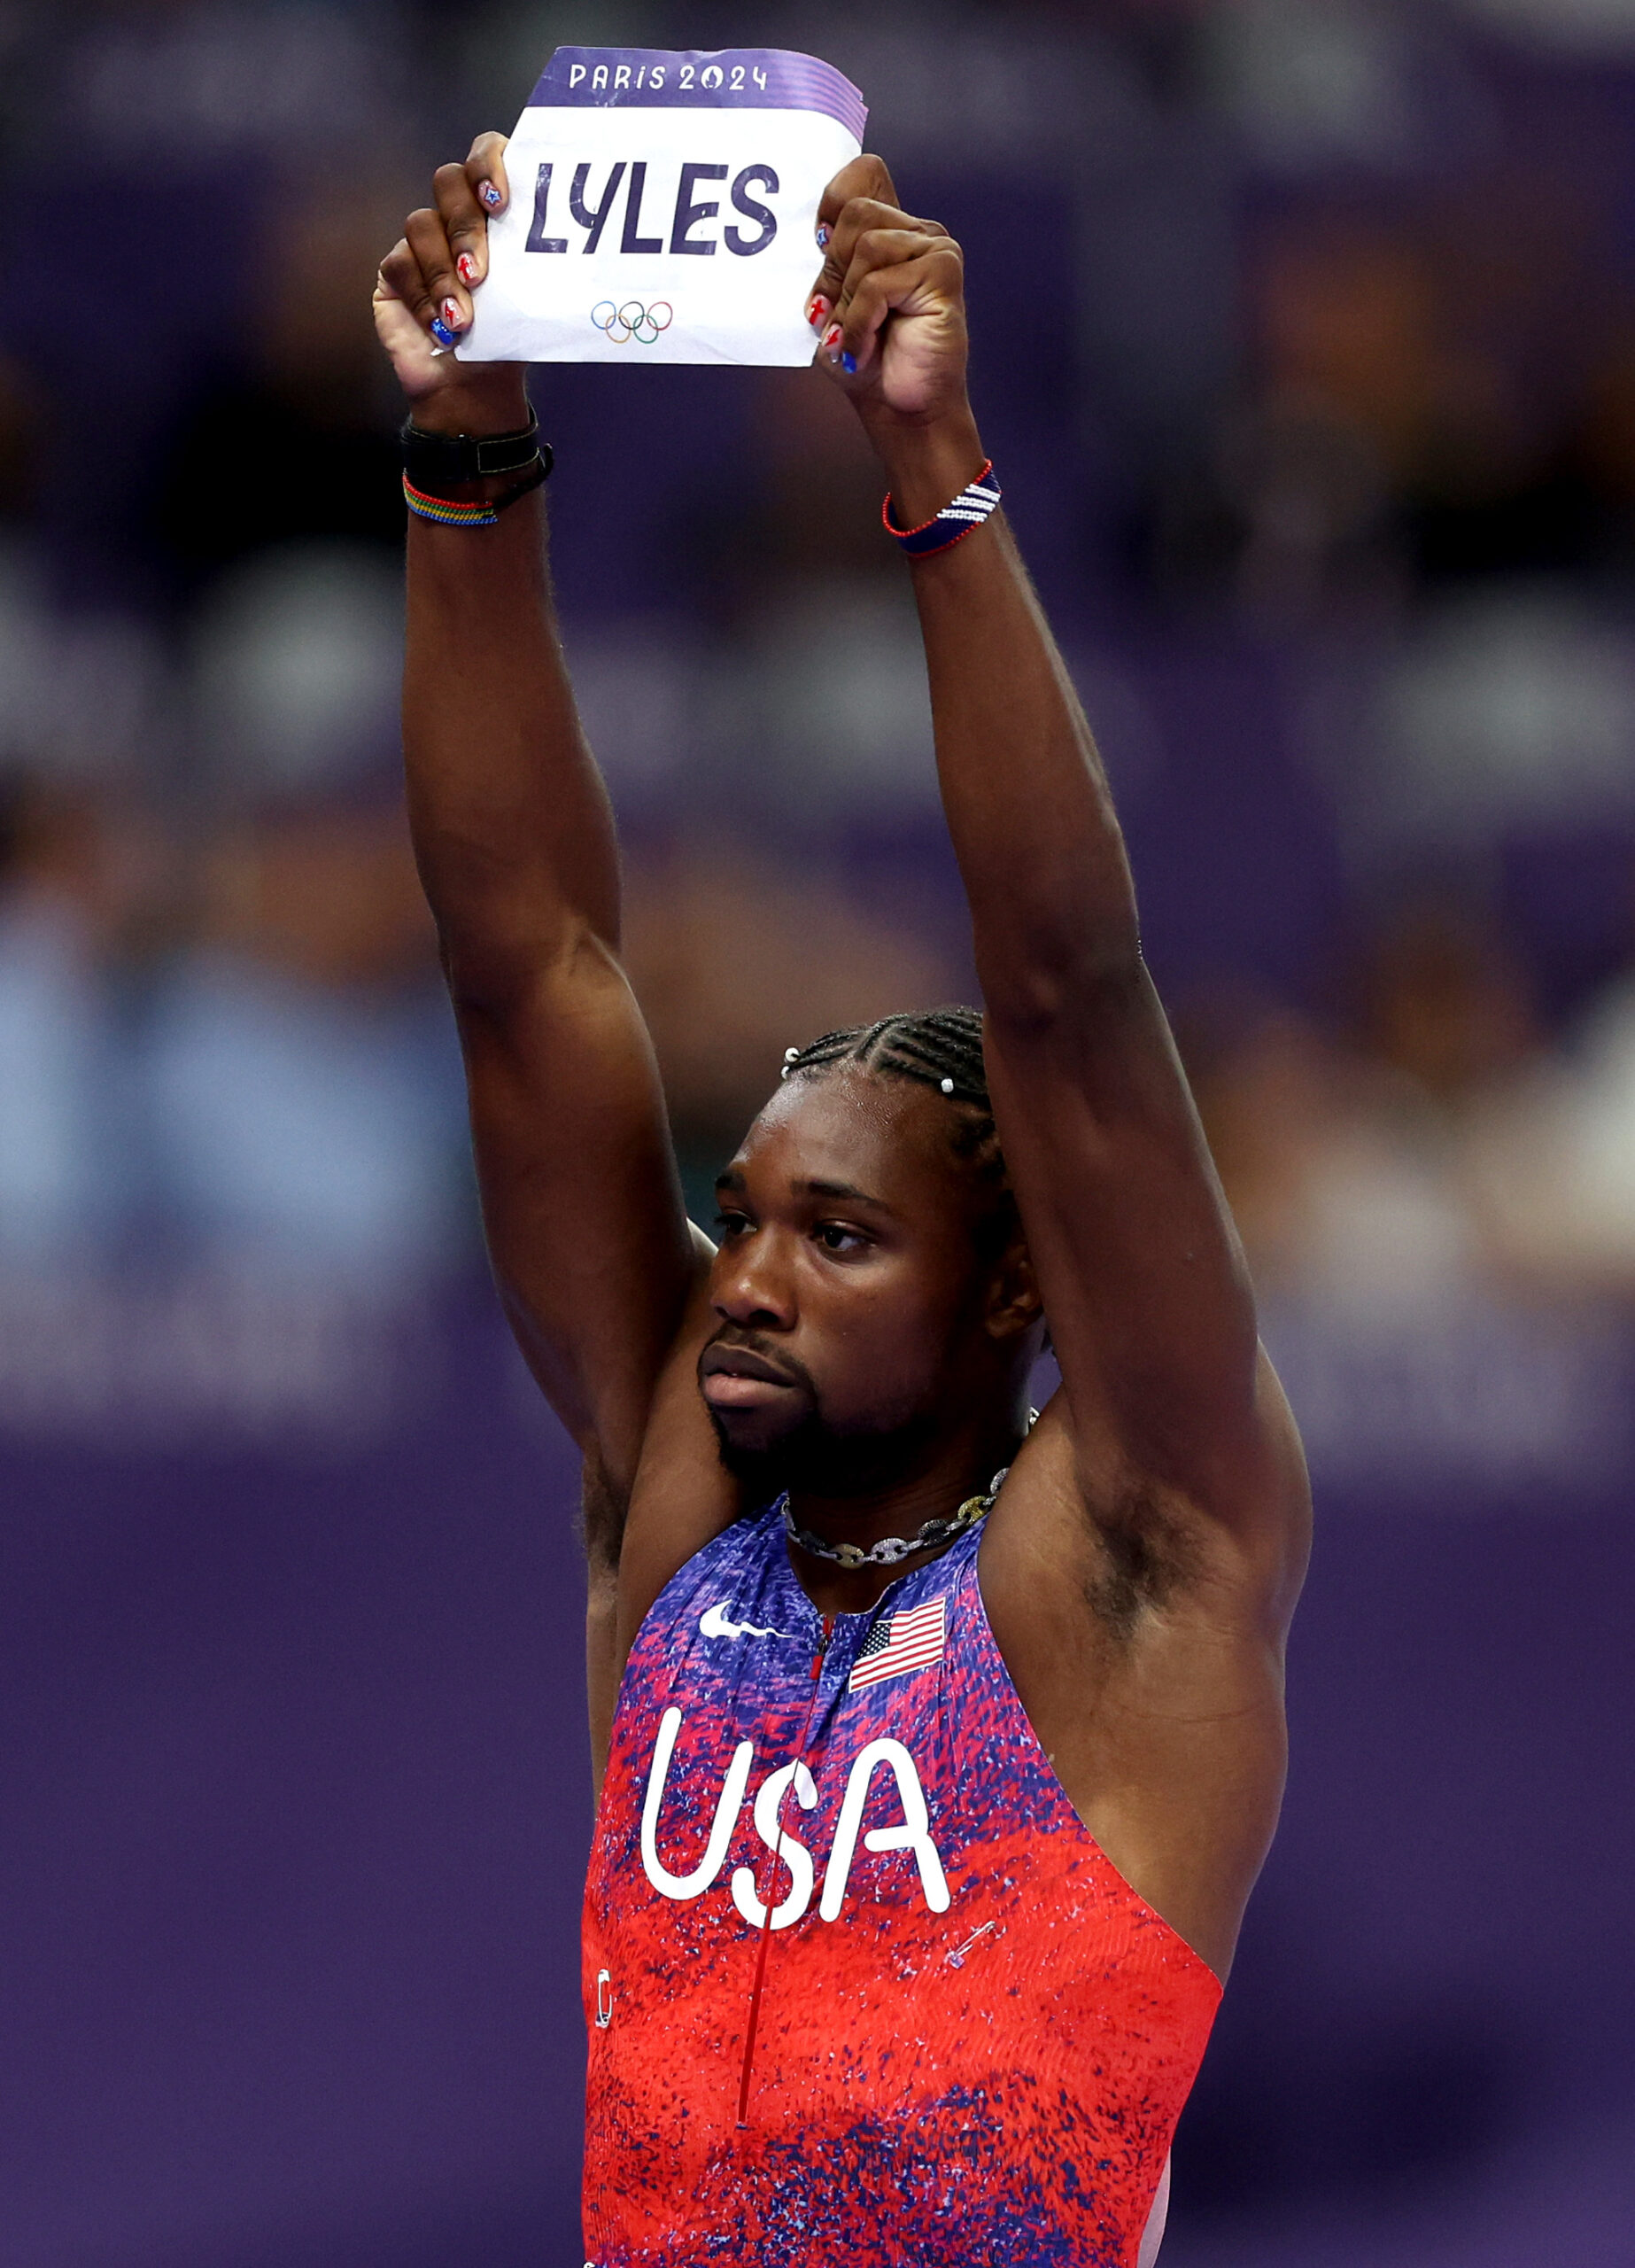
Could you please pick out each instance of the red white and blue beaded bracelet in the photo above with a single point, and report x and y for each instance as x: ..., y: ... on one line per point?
x: 969, y: 509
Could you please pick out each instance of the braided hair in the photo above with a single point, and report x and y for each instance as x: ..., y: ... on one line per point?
x: 940, y: 1048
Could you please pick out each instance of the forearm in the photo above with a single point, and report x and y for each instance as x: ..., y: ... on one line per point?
x: 510, y: 819
x: 1027, y: 803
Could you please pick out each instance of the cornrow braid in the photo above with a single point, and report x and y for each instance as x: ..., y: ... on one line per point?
x: 941, y: 1048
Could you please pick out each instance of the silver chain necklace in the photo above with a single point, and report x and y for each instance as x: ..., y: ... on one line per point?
x: 892, y: 1549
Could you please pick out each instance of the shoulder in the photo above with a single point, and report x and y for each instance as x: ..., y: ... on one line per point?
x: 731, y: 1568
x: 1144, y: 1639
x: 1116, y: 1599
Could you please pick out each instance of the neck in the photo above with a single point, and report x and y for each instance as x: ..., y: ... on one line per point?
x: 962, y: 1464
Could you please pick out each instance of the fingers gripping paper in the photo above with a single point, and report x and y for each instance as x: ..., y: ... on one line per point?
x: 662, y: 208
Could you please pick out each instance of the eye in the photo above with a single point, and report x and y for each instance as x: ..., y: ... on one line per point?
x: 836, y: 1236
x: 731, y: 1224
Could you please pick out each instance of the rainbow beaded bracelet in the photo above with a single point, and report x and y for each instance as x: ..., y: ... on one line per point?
x: 452, y: 512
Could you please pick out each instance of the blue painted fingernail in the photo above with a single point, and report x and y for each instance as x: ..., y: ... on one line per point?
x: 823, y: 235
x: 848, y: 363
x: 441, y: 333
x: 490, y: 196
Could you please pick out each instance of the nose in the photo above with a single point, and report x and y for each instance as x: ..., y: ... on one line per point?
x: 752, y: 1284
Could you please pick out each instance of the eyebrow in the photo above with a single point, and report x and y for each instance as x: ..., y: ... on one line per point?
x: 844, y: 1191
x: 734, y: 1182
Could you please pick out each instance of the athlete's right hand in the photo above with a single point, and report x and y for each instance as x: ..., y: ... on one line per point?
x: 422, y: 295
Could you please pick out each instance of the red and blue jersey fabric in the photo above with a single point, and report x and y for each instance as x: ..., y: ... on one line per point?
x: 860, y: 1985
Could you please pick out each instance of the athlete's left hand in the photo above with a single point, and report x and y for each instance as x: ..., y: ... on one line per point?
x: 889, y: 303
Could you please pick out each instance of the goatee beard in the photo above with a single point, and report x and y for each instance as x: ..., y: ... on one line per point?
x: 815, y: 1459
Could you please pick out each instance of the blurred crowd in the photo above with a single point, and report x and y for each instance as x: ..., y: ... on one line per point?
x: 1305, y: 347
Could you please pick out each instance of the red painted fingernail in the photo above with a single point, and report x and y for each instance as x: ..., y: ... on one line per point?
x: 818, y: 309
x: 465, y: 268
x: 452, y: 315
x: 831, y: 342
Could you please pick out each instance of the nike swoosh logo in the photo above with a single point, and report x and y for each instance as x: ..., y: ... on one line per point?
x: 714, y: 1624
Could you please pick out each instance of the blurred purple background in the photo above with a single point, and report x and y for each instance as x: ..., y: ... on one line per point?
x: 1306, y: 349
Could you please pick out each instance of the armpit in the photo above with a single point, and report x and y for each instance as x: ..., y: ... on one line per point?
x: 603, y: 1510
x: 1149, y: 1553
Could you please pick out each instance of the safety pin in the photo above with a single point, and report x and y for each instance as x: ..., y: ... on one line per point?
x: 956, y: 1959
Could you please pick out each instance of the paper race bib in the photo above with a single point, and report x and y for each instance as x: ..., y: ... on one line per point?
x: 662, y: 208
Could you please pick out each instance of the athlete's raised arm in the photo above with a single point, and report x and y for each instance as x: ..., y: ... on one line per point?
x: 516, y: 844
x: 1178, y: 1443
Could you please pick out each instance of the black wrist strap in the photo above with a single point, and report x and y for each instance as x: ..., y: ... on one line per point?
x: 536, y: 477
x: 435, y: 461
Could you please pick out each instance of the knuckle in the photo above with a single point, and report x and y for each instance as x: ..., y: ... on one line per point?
x: 430, y: 246
x: 878, y: 247
x: 407, y: 285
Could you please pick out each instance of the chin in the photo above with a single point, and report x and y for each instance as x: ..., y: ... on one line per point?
x: 821, y: 1459
x: 764, y: 1467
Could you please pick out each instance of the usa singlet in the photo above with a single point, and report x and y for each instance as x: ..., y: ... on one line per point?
x: 860, y: 1985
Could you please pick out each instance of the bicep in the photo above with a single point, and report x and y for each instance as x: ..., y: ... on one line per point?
x: 581, y: 1201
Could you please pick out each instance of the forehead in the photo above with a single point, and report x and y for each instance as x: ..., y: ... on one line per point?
x: 888, y: 1136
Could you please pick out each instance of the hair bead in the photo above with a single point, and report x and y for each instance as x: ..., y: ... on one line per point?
x: 941, y: 1048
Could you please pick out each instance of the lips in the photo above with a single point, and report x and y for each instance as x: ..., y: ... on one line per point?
x: 732, y: 1378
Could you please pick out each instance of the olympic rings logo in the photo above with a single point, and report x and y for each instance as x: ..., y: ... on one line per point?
x: 632, y: 321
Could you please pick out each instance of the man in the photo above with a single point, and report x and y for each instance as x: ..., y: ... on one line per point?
x: 931, y: 1806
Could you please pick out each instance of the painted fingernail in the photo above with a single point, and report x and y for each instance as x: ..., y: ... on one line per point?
x: 818, y: 310
x: 441, y: 333
x: 465, y: 268
x: 490, y: 196
x: 848, y: 363
x: 823, y: 233
x: 831, y: 342
x: 452, y: 315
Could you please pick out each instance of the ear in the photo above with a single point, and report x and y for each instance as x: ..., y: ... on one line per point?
x: 1014, y: 1305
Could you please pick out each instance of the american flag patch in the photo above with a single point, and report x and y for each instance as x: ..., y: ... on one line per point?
x: 901, y: 1642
